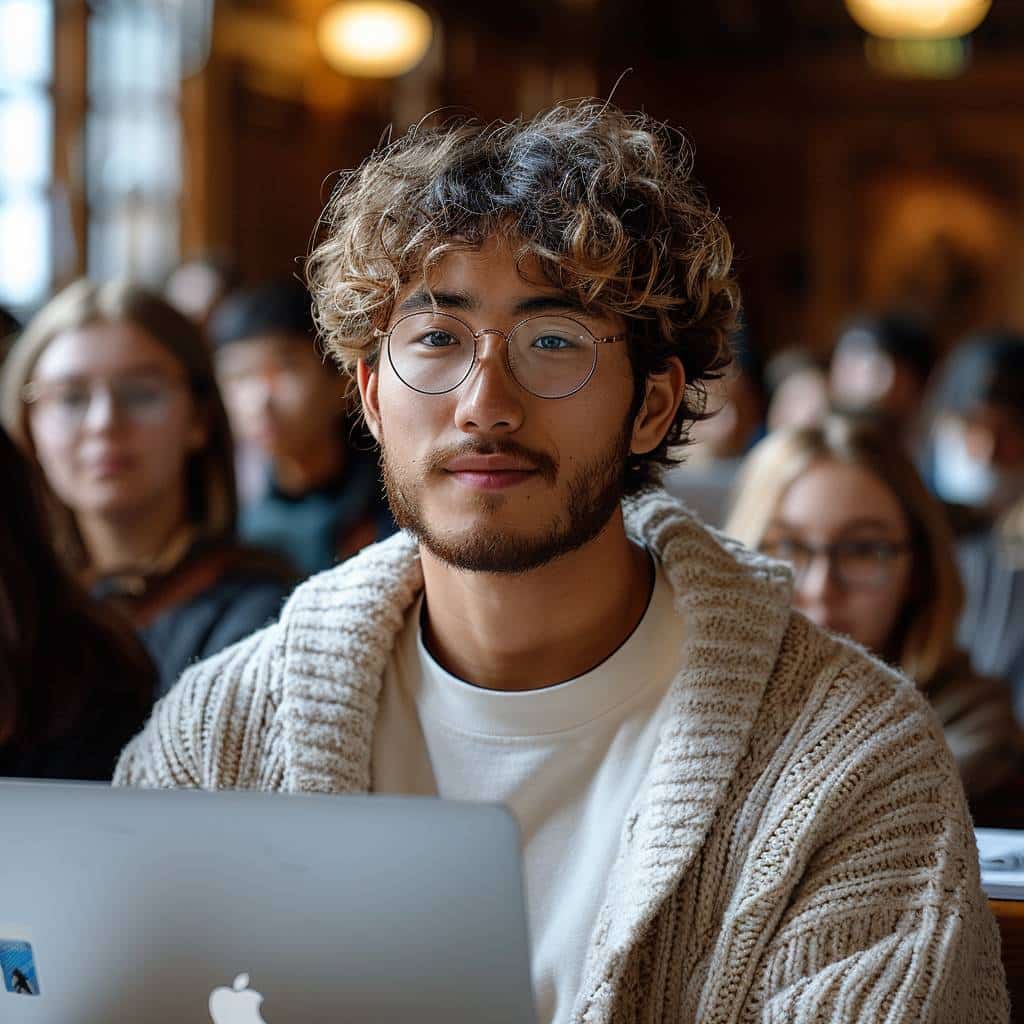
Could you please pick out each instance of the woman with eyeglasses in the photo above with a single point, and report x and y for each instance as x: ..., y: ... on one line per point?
x: 873, y: 558
x: 113, y: 392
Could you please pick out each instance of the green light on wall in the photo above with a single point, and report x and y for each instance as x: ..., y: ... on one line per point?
x: 918, y: 58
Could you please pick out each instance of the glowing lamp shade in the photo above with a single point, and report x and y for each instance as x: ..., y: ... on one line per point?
x: 918, y: 19
x: 374, y: 38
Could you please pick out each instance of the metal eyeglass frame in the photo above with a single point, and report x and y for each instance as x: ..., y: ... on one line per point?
x: 830, y: 552
x: 476, y: 335
x: 36, y: 393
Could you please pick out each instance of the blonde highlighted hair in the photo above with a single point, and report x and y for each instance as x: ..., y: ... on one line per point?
x: 924, y: 638
x: 210, y: 474
x: 604, y: 201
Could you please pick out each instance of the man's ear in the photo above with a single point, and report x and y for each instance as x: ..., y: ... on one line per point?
x: 366, y: 380
x: 661, y: 403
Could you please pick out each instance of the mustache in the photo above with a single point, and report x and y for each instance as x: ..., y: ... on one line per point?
x: 544, y: 464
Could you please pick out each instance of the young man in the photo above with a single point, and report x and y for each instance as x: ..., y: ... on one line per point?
x: 726, y: 813
x: 322, y: 499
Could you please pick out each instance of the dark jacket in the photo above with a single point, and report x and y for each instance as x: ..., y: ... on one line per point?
x: 326, y: 525
x: 219, y: 594
x: 86, y: 752
x: 976, y: 714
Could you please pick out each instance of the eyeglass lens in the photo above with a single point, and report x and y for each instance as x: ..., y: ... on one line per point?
x: 866, y: 563
x: 143, y: 400
x: 550, y: 356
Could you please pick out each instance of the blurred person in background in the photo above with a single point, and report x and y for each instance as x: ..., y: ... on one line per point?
x: 75, y: 682
x: 113, y: 392
x: 197, y: 286
x: 734, y: 422
x: 992, y: 627
x: 797, y: 389
x: 976, y: 457
x: 873, y: 559
x: 322, y: 499
x: 881, y: 366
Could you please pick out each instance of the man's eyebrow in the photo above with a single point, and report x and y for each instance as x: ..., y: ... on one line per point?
x: 464, y: 301
x: 422, y: 299
x: 544, y: 303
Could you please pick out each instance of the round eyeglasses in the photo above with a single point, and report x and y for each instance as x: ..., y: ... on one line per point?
x: 855, y: 564
x: 144, y: 400
x: 549, y: 356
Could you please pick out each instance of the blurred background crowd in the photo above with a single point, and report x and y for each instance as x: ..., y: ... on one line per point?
x: 177, y: 454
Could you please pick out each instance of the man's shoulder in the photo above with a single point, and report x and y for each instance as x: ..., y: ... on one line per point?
x: 375, y: 574
x: 837, y: 663
x: 336, y: 614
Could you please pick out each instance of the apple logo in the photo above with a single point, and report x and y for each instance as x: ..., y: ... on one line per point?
x: 236, y: 1005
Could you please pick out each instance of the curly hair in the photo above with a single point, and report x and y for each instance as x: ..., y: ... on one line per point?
x: 604, y: 201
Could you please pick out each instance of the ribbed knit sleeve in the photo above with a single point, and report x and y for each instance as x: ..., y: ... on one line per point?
x: 888, y: 921
x: 216, y: 729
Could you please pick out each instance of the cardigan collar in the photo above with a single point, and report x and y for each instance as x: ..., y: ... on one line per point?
x: 341, y: 626
x: 736, y: 608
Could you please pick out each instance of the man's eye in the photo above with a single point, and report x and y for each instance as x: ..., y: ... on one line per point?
x: 438, y: 339
x: 552, y: 343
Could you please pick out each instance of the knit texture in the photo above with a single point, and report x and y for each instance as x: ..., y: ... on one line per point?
x: 799, y: 851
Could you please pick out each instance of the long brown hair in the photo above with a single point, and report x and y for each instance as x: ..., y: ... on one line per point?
x: 924, y: 638
x: 58, y: 648
x: 210, y: 474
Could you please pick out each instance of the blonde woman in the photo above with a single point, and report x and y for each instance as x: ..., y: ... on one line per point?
x: 112, y: 392
x: 873, y: 558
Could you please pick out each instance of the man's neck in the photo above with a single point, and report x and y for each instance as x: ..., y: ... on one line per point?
x: 544, y: 627
x: 315, y: 467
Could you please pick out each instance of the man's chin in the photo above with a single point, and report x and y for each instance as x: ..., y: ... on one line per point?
x: 511, y: 530
x: 493, y: 550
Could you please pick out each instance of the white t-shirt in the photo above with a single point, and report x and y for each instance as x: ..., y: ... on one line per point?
x: 567, y: 760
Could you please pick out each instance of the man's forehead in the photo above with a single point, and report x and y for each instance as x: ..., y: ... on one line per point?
x: 488, y: 278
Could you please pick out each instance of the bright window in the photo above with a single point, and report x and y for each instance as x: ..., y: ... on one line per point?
x: 26, y: 151
x: 115, y: 174
x: 133, y: 138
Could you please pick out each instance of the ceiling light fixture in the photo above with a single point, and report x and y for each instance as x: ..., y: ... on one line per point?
x: 918, y: 19
x: 374, y: 38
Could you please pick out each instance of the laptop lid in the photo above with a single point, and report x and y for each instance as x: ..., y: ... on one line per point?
x: 190, y: 907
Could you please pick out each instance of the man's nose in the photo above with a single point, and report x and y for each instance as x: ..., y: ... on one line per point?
x: 490, y: 400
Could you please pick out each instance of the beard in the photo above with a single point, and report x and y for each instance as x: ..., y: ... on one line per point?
x: 592, y: 496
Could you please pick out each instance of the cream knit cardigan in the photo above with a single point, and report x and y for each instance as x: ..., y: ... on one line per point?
x: 800, y: 849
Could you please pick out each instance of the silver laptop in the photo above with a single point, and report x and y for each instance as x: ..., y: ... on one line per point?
x: 187, y: 907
